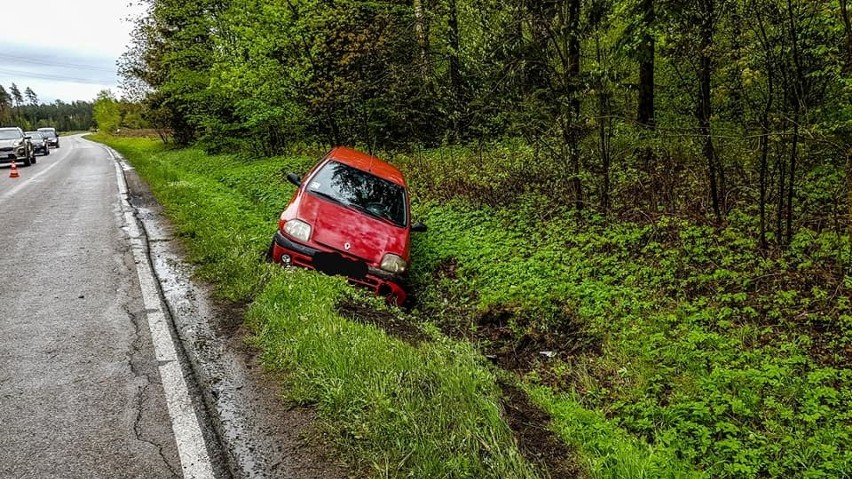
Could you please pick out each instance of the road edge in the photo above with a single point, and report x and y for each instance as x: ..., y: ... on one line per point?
x: 186, y: 424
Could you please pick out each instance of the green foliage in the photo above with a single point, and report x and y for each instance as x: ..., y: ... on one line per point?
x: 691, y: 352
x: 106, y: 112
x: 395, y: 410
x: 711, y: 353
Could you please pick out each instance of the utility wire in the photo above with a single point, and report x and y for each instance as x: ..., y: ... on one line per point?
x: 47, y: 76
x: 55, y: 64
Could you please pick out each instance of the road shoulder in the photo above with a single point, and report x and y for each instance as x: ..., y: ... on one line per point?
x: 261, y: 436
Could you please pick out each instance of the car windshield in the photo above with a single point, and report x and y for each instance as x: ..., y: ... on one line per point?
x: 361, y: 190
x: 34, y: 135
x: 47, y: 133
x: 9, y: 135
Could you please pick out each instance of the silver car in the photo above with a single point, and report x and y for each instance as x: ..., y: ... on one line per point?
x: 15, y: 146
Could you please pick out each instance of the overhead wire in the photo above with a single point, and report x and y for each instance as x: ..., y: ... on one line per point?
x: 51, y: 63
x: 47, y: 76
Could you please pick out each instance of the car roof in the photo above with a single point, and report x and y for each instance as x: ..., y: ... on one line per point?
x: 47, y: 128
x: 365, y: 162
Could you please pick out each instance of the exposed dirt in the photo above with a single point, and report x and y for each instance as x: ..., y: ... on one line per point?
x: 516, y: 343
x: 385, y: 320
x: 537, y: 443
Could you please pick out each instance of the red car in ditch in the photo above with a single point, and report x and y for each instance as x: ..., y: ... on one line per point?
x: 350, y: 216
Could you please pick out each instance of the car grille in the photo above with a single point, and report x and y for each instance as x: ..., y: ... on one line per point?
x: 6, y: 148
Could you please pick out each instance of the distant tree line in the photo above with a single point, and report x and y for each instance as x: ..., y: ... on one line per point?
x: 25, y: 111
x: 111, y: 114
x: 637, y: 105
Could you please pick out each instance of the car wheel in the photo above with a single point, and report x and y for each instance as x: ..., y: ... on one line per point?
x: 27, y: 161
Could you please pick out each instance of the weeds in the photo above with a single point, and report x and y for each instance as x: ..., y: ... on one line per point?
x: 678, y: 349
x: 397, y: 410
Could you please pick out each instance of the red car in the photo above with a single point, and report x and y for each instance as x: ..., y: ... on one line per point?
x: 350, y: 217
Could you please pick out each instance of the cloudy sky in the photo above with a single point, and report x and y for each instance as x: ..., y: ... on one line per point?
x: 65, y: 50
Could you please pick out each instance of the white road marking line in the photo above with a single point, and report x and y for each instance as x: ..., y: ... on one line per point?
x: 194, y: 459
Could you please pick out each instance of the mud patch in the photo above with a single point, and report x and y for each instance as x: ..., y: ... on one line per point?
x: 535, y: 441
x: 511, y: 339
x: 384, y: 320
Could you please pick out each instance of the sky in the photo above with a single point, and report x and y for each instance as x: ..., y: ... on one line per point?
x: 69, y: 51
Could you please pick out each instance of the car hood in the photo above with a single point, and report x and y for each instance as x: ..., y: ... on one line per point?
x: 335, y: 226
x: 6, y: 143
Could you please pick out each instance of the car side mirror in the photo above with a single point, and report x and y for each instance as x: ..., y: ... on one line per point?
x: 295, y: 179
x: 418, y: 227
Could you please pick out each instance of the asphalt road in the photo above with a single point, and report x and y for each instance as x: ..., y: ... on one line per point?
x: 81, y: 390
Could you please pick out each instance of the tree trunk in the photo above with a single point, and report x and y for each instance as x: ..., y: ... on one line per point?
x: 455, y: 66
x: 849, y: 190
x: 573, y: 74
x: 782, y: 175
x: 798, y: 103
x: 764, y: 144
x: 704, y: 110
x: 764, y: 153
x: 794, y: 156
x: 604, y: 126
x: 421, y: 26
x: 645, y: 110
x: 847, y: 25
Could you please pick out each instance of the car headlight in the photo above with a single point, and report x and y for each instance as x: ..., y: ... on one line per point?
x: 298, y: 229
x: 393, y: 264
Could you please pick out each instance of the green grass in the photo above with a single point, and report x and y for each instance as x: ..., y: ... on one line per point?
x: 698, y: 356
x: 395, y: 410
x: 714, y: 360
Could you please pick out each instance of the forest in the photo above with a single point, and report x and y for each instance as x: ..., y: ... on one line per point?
x: 697, y: 107
x: 655, y: 193
x: 23, y: 109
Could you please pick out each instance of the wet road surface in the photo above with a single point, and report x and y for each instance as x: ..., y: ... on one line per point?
x: 97, y: 313
x: 80, y: 385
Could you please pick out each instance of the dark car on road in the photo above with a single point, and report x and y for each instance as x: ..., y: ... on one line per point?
x: 15, y: 146
x: 350, y: 216
x: 50, y: 136
x: 39, y: 142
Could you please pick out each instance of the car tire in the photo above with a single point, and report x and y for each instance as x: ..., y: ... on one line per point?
x: 27, y: 161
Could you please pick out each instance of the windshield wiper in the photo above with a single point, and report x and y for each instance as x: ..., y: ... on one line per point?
x: 362, y: 209
x: 329, y: 197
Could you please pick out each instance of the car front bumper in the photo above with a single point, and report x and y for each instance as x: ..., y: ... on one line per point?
x: 10, y: 156
x: 357, y: 272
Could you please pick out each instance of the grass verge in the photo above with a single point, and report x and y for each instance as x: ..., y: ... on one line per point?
x: 396, y: 410
x: 671, y: 349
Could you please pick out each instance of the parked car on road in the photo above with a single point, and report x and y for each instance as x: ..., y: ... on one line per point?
x: 350, y: 216
x: 50, y: 135
x: 15, y: 146
x: 39, y: 142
